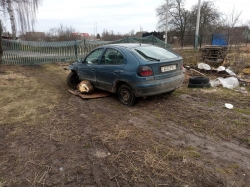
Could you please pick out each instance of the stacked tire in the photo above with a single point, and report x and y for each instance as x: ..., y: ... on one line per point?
x: 199, y: 82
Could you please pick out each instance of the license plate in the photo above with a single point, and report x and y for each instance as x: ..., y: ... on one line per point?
x: 168, y: 68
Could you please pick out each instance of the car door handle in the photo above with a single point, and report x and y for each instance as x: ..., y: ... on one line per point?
x: 92, y: 70
x: 118, y: 71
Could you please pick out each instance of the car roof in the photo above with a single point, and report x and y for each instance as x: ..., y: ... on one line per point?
x: 127, y: 45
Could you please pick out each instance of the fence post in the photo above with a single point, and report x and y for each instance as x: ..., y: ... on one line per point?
x: 84, y: 45
x: 76, y: 49
x: 152, y: 39
x: 1, y: 47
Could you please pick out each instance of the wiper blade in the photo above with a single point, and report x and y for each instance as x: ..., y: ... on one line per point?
x: 145, y: 56
x: 153, y: 58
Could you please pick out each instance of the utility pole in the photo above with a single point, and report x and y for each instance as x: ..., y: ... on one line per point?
x: 197, y: 25
x: 166, y: 29
x: 95, y: 30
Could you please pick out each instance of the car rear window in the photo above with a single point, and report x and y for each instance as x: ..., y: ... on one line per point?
x: 154, y: 53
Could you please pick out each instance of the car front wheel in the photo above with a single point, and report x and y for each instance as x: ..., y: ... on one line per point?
x: 126, y: 95
x: 73, y: 80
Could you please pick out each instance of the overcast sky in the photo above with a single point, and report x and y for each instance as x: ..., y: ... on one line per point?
x: 118, y: 15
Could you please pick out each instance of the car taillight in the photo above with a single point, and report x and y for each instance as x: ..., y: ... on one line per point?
x: 145, y: 71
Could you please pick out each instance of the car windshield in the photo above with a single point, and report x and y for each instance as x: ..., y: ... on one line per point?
x: 154, y: 53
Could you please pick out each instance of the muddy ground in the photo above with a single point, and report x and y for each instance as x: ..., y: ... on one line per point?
x: 49, y: 137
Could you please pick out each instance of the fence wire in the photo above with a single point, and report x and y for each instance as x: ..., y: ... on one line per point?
x: 31, y: 53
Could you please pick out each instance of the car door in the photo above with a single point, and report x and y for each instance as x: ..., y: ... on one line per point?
x: 110, y: 68
x: 87, y: 70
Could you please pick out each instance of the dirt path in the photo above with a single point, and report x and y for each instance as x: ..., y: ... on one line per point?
x: 184, y: 139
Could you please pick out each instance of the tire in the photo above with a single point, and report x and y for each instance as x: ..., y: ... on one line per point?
x: 73, y: 80
x: 208, y: 85
x: 199, y: 80
x: 126, y: 95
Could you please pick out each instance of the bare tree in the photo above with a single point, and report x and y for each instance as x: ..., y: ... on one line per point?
x: 21, y: 12
x: 231, y: 22
x: 131, y: 33
x: 98, y: 37
x: 111, y: 36
x: 179, y: 17
x: 210, y: 19
x: 12, y: 18
x: 61, y: 33
x: 161, y: 14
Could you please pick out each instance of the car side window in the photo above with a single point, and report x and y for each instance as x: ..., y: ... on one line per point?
x: 112, y: 57
x: 93, y: 57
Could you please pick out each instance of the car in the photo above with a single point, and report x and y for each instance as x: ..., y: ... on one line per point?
x: 130, y: 70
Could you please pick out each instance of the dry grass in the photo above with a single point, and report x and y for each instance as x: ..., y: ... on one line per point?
x: 215, y: 119
x: 28, y: 98
x: 190, y: 56
x: 52, y: 138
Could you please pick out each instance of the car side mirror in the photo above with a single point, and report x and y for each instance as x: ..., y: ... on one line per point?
x: 79, y: 60
x: 82, y: 60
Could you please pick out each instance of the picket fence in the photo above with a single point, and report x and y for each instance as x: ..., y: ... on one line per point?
x: 32, y: 53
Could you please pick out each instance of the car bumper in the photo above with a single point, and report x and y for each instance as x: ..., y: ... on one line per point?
x: 158, y: 86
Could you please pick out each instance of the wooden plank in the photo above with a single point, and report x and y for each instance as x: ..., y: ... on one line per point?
x: 93, y: 95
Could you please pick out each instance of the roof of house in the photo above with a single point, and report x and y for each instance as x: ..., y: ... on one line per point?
x: 81, y: 34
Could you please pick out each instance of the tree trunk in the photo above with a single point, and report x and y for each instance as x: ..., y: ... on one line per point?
x: 12, y: 19
x: 1, y: 48
x: 182, y: 37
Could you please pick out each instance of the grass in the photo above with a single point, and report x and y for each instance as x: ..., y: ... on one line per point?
x: 209, y: 104
x: 243, y: 111
x: 190, y: 56
x: 247, y: 140
x: 194, y: 154
x: 229, y: 169
x: 28, y: 99
x: 180, y: 92
x: 205, y: 112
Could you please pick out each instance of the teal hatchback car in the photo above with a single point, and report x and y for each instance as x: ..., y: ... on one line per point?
x: 129, y: 70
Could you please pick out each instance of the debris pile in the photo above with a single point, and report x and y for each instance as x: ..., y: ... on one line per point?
x: 219, y: 76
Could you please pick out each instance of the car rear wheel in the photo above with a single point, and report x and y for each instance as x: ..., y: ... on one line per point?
x: 72, y: 80
x: 126, y: 95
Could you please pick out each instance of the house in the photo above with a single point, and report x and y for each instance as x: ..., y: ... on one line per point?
x: 80, y: 36
x: 33, y: 36
x: 139, y: 34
